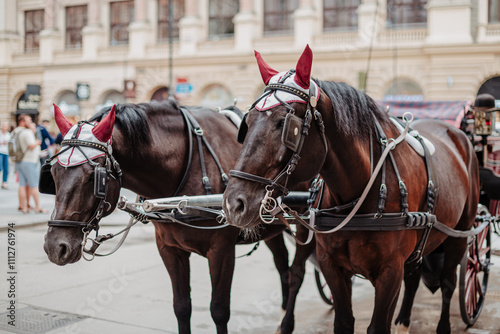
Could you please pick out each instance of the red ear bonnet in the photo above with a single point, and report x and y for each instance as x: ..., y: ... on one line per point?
x: 265, y: 70
x: 104, y: 128
x: 62, y: 122
x: 303, y: 69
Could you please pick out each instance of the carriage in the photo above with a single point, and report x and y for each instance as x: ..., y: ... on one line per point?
x: 293, y: 127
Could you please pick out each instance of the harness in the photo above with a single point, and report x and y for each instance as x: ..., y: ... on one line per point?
x: 325, y: 221
x: 112, y: 169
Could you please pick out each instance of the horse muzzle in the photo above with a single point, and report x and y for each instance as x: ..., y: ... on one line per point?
x: 63, y: 245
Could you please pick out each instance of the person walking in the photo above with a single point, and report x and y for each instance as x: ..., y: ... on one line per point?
x: 44, y: 136
x: 27, y: 168
x: 4, y: 152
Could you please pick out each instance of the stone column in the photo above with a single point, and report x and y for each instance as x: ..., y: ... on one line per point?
x: 245, y: 26
x: 140, y: 31
x: 50, y: 36
x: 449, y: 22
x: 93, y: 32
x: 305, y: 23
x: 10, y: 40
x: 370, y: 20
x: 190, y: 28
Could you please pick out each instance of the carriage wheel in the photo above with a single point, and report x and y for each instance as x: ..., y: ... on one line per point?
x: 324, y: 290
x: 474, y: 270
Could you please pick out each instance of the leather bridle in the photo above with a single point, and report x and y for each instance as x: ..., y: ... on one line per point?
x: 102, y: 174
x: 269, y: 204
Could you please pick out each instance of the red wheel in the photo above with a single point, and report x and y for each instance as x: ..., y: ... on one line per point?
x: 324, y: 290
x: 474, y: 271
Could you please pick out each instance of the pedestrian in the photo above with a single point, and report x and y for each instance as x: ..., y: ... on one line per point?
x: 28, y: 169
x: 4, y: 152
x: 44, y: 136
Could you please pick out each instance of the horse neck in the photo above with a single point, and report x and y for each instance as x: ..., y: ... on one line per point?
x: 154, y: 170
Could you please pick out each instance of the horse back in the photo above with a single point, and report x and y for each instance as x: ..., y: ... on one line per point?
x: 456, y: 172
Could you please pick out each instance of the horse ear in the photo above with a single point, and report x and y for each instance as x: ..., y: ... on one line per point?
x: 266, y: 71
x: 303, y: 68
x: 62, y: 122
x: 104, y: 128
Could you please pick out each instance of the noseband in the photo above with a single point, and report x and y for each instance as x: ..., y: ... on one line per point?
x: 102, y: 174
x: 295, y: 130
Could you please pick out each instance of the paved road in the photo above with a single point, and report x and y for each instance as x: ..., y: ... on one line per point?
x: 129, y: 292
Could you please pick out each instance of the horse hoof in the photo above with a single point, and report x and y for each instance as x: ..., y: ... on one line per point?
x: 402, y: 329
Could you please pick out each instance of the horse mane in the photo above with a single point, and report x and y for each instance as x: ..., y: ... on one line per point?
x: 132, y: 119
x: 353, y: 109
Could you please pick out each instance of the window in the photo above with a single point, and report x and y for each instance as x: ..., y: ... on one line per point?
x: 278, y: 15
x: 340, y: 14
x: 76, y: 19
x: 494, y: 11
x: 221, y: 14
x: 406, y: 13
x: 122, y: 13
x: 163, y: 15
x: 33, y: 24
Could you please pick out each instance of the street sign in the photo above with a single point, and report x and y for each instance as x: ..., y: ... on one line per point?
x: 183, y: 88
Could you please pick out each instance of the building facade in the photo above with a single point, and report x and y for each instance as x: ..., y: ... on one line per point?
x: 85, y: 54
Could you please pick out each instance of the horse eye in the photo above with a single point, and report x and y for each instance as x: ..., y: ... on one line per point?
x: 280, y: 124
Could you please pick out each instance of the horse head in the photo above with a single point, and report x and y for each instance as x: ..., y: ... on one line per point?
x: 277, y: 133
x: 86, y: 181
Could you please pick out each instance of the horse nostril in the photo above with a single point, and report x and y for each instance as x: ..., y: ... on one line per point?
x: 64, y: 251
x: 240, y: 205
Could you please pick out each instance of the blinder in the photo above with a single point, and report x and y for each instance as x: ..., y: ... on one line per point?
x: 242, y: 131
x: 46, y: 184
x: 292, y: 132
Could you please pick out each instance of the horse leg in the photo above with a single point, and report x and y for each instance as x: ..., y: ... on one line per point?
x: 177, y: 263
x: 387, y: 285
x: 221, y: 263
x: 454, y: 249
x: 297, y: 272
x: 411, y: 285
x: 280, y: 256
x: 340, y: 285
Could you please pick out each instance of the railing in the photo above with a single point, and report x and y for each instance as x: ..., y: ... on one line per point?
x: 28, y: 59
x: 336, y: 39
x: 118, y: 52
x: 402, y: 36
x: 274, y: 43
x: 216, y: 45
x: 68, y: 56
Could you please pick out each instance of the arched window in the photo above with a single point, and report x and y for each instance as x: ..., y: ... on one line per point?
x: 340, y: 14
x: 406, y: 13
x: 110, y: 98
x: 216, y: 96
x: 69, y: 104
x: 220, y: 19
x: 278, y: 16
x: 491, y: 86
x: 160, y: 94
x: 163, y: 15
x: 404, y: 90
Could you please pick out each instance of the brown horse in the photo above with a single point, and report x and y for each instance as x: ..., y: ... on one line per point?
x: 150, y: 141
x: 282, y: 145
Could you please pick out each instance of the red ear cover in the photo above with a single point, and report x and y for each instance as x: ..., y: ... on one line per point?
x: 303, y: 68
x: 62, y: 122
x: 266, y: 71
x: 104, y: 128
